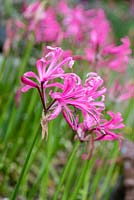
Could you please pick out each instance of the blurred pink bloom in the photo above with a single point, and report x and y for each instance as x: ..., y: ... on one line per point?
x: 110, y: 56
x: 99, y: 29
x: 63, y: 7
x: 42, y: 23
x: 67, y: 53
x: 48, y: 29
x: 118, y: 55
x: 74, y: 21
x: 34, y: 11
x: 120, y: 92
x: 11, y: 35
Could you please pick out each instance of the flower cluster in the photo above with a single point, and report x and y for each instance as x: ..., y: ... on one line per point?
x: 109, y: 55
x: 87, y: 34
x: 81, y: 104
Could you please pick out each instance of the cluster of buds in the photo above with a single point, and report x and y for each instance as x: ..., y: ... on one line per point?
x: 81, y: 104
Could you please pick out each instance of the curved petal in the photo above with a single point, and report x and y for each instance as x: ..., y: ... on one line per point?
x: 41, y: 67
x: 26, y: 88
x: 29, y: 82
x: 32, y: 75
x: 55, y: 113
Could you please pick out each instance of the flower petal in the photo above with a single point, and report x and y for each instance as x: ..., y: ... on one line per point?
x: 29, y: 82
x: 26, y: 88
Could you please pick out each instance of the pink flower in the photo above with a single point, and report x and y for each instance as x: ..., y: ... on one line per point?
x: 34, y: 10
x: 99, y: 29
x: 80, y: 104
x: 119, y: 92
x: 48, y: 29
x: 110, y: 56
x: 83, y: 98
x: 93, y: 85
x: 105, y: 130
x: 74, y: 20
x: 69, y: 96
x: 48, y: 68
x: 63, y: 7
x: 42, y: 23
x: 118, y: 55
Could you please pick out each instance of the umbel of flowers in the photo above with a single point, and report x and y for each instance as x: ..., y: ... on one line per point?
x: 81, y: 104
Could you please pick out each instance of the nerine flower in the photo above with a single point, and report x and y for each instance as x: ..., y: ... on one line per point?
x: 119, y: 92
x: 74, y: 20
x: 99, y: 29
x: 48, y: 29
x: 80, y: 103
x: 109, y: 55
x: 80, y: 97
x: 117, y: 57
x: 48, y: 68
x: 41, y: 22
x: 105, y: 131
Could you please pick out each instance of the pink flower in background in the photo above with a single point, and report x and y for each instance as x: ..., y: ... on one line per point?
x: 99, y: 29
x: 63, y: 7
x: 119, y: 92
x: 42, y: 22
x: 74, y: 20
x: 118, y: 56
x: 110, y: 56
x: 48, y: 29
x: 33, y: 13
x: 11, y: 35
x: 34, y: 10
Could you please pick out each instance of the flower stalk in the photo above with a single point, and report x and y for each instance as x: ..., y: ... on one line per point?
x: 15, y: 192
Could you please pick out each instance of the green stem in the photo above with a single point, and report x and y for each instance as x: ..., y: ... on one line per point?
x: 66, y: 170
x: 87, y: 178
x: 70, y: 179
x: 80, y: 179
x: 14, y: 194
x: 2, y: 67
